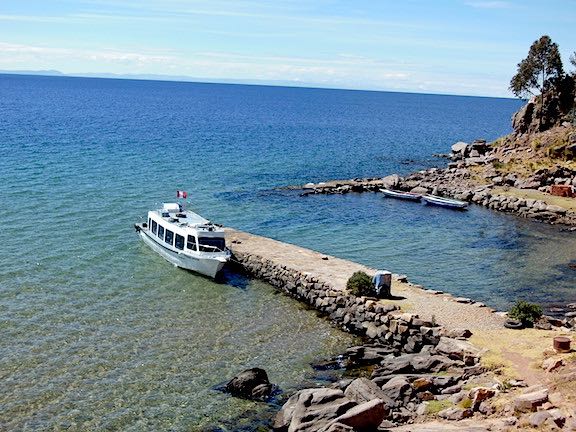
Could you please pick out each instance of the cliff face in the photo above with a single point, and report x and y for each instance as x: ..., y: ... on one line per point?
x: 552, y: 108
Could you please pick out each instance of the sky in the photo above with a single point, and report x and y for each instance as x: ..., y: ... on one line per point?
x: 468, y: 47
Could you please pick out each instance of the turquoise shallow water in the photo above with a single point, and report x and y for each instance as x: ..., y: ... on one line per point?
x: 98, y: 332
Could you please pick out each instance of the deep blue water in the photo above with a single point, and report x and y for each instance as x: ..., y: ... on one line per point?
x: 84, y: 306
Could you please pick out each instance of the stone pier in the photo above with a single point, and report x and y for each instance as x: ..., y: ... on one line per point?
x: 407, y: 321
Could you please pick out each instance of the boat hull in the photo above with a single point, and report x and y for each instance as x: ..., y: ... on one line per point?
x: 206, y: 266
x: 445, y: 202
x: 401, y: 195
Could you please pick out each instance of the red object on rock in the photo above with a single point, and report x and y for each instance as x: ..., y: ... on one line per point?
x: 562, y: 190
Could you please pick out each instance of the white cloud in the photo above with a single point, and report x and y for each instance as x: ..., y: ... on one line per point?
x: 41, y: 56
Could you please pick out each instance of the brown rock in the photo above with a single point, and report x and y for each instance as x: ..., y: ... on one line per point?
x: 368, y: 415
x: 530, y: 401
x: 363, y: 390
x: 552, y: 364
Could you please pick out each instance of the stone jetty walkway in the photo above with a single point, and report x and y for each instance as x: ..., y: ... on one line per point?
x: 415, y: 319
x: 445, y: 309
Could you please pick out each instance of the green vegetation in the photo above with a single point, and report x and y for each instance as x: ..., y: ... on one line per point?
x: 435, y: 406
x: 466, y: 403
x: 539, y: 69
x: 360, y: 284
x: 526, y: 313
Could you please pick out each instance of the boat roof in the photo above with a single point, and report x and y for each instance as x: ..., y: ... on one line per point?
x: 173, y: 214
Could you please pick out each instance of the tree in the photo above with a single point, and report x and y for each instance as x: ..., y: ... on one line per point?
x: 537, y: 71
x: 573, y: 59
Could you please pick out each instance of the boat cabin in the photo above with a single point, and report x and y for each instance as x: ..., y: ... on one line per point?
x: 185, y: 230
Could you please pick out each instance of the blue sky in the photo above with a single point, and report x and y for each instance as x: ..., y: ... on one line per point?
x: 444, y: 46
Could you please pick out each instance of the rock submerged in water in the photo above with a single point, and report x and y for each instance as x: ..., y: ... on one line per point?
x: 250, y: 384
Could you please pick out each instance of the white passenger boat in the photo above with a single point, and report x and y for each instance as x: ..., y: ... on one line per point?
x: 445, y: 202
x: 401, y: 195
x: 185, y: 239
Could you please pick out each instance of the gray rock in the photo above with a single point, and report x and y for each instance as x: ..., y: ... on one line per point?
x: 537, y: 419
x: 531, y: 401
x: 459, y: 147
x: 420, y: 190
x: 399, y: 390
x: 363, y: 390
x: 452, y: 389
x: 391, y: 181
x: 366, y: 416
x: 555, y: 209
x: 459, y: 333
x: 394, y: 365
x: 455, y: 413
x: 311, y: 410
x: 456, y: 349
x: 430, y: 363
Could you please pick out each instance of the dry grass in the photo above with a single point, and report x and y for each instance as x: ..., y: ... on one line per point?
x: 567, y: 203
x: 514, y: 354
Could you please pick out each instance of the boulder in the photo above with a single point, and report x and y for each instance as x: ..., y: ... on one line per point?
x: 531, y: 401
x: 455, y: 413
x: 398, y: 390
x: 479, y: 395
x: 366, y: 416
x: 459, y: 148
x: 538, y: 419
x: 456, y: 349
x: 311, y: 410
x: 391, y: 181
x: 430, y: 363
x: 551, y: 364
x: 459, y: 333
x: 368, y: 354
x: 363, y: 390
x: 393, y: 365
x: 420, y: 190
x: 251, y: 383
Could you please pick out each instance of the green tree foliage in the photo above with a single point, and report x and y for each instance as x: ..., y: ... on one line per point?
x: 360, y: 284
x: 573, y: 59
x: 525, y: 312
x: 537, y: 71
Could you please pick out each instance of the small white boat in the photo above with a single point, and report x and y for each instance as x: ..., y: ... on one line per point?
x: 445, y: 202
x: 185, y: 239
x: 401, y: 195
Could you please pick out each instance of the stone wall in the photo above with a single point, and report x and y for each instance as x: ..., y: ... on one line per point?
x: 363, y: 316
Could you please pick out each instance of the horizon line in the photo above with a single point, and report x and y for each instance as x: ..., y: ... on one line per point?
x: 224, y: 81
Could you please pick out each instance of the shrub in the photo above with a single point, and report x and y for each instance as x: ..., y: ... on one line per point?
x: 526, y: 313
x: 360, y: 284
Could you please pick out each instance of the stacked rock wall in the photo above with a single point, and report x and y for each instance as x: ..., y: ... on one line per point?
x: 362, y: 316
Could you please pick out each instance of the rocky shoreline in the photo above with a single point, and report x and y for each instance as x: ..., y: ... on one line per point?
x: 473, y: 176
x: 415, y: 370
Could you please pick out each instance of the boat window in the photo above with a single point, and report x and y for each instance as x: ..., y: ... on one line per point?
x: 161, y: 231
x: 191, y: 244
x: 211, y: 244
x: 154, y: 227
x: 169, y: 237
x: 149, y: 222
x: 179, y: 243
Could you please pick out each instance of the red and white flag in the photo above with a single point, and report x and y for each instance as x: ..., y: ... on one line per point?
x: 181, y: 194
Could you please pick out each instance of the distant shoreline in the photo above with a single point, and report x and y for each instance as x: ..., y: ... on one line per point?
x: 224, y: 81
